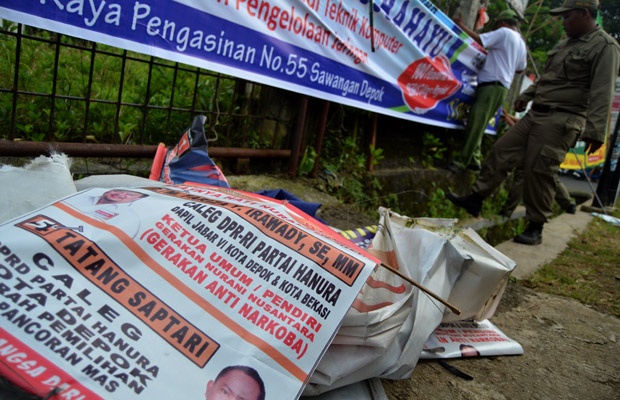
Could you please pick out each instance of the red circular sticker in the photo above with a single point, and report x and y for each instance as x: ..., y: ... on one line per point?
x: 427, y: 81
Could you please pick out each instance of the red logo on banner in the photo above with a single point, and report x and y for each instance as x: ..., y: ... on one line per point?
x: 427, y: 81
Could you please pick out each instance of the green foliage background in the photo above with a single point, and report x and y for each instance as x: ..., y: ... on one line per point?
x: 112, y: 80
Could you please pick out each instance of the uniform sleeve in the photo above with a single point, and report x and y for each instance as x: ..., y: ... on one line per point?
x: 604, y: 72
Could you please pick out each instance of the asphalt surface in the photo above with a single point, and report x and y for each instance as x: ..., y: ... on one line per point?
x: 581, y: 185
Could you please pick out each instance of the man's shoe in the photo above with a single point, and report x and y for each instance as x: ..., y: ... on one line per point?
x: 532, y: 234
x: 571, y: 209
x: 472, y: 203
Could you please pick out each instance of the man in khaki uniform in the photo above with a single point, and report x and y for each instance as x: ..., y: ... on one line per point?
x: 571, y: 101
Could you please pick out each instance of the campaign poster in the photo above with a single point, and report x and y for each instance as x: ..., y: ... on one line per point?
x: 151, y: 293
x: 469, y: 339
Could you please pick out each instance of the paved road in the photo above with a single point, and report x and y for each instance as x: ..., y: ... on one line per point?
x: 578, y: 185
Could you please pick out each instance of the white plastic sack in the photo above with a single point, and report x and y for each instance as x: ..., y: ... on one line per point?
x: 483, y: 279
x: 113, y: 181
x: 41, y: 182
x: 484, y: 271
x: 384, y: 335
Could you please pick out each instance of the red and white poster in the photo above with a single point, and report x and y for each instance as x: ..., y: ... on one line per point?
x: 469, y: 339
x: 150, y: 293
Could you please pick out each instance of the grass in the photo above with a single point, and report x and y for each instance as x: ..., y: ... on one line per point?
x: 588, y: 270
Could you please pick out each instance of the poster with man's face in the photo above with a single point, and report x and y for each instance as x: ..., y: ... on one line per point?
x: 153, y: 292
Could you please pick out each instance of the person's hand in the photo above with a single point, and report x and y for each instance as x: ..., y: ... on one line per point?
x: 509, y: 118
x: 592, y: 145
x: 520, y: 105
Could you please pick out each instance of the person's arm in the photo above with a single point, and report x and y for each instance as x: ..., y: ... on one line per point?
x: 603, y: 77
x: 524, y: 98
x: 465, y: 29
x: 509, y: 118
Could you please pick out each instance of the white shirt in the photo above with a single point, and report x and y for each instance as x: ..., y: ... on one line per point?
x: 507, y: 54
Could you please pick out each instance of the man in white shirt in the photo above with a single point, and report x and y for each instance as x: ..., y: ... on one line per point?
x: 506, y: 55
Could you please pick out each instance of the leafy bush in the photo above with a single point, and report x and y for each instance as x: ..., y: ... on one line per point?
x: 157, y: 97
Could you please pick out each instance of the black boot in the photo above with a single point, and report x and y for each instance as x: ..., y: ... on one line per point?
x: 472, y: 203
x: 532, y: 234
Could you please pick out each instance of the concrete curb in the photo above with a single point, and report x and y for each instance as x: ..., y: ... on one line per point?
x: 556, y: 235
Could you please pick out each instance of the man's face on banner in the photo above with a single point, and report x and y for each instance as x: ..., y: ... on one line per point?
x: 120, y: 196
x: 235, y: 385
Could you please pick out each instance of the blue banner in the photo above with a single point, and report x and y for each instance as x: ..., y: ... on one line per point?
x: 403, y: 59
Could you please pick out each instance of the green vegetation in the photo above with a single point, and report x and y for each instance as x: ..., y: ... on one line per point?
x: 147, y: 88
x: 138, y: 99
x: 438, y: 206
x: 356, y: 185
x: 588, y: 270
x: 434, y: 150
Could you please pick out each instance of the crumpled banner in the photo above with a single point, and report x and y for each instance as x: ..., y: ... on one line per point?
x: 384, y: 332
x: 308, y: 207
x: 188, y: 162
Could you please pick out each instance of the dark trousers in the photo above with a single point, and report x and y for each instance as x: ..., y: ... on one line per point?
x: 538, y: 142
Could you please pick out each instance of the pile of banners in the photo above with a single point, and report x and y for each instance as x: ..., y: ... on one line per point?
x: 120, y: 287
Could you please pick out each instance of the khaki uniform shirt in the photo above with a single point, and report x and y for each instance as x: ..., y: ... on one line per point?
x: 579, y: 76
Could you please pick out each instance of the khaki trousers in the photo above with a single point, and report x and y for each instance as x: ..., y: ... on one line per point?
x: 562, y: 196
x: 538, y: 143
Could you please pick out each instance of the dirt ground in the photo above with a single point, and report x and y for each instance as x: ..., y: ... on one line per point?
x: 570, y: 350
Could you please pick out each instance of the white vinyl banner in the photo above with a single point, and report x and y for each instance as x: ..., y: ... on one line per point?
x: 149, y: 293
x: 405, y: 59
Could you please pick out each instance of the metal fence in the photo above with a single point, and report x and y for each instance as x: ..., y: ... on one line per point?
x: 89, y: 99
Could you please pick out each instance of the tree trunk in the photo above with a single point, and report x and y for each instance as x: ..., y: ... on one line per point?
x: 469, y: 12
